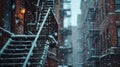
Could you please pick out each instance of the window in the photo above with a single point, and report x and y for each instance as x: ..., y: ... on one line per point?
x: 117, y: 5
x: 67, y: 12
x: 118, y: 35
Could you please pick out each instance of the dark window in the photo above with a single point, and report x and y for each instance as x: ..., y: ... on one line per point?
x: 118, y: 35
x: 117, y: 5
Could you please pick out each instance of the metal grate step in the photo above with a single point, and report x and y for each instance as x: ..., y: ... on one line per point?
x: 13, y: 55
x: 11, y: 64
x: 12, y: 60
x: 20, y: 46
x: 16, y: 50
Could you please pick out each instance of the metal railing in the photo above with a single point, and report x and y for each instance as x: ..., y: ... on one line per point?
x: 5, y: 46
x: 4, y: 31
x: 111, y: 50
x: 46, y: 52
x: 36, y: 38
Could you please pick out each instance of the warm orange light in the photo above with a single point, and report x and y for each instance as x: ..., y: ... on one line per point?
x: 22, y: 10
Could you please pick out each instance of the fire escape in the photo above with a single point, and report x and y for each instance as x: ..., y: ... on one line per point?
x: 92, y: 39
x: 32, y: 50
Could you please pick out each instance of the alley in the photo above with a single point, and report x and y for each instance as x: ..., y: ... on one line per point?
x: 60, y: 33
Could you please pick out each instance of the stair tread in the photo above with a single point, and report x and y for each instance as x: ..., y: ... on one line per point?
x: 17, y: 49
x: 20, y: 41
x: 14, y: 58
x: 9, y: 63
x: 18, y: 46
x: 17, y: 63
x: 14, y: 53
x: 24, y: 36
x: 31, y: 23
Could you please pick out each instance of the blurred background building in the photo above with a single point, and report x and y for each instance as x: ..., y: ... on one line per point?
x: 66, y: 47
x: 100, y: 33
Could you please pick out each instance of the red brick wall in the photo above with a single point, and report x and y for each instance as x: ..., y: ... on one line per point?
x: 112, y: 30
x: 108, y: 26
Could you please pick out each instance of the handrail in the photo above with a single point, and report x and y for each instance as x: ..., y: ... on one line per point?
x: 38, y: 2
x: 36, y: 38
x: 54, y: 17
x: 47, y: 48
x: 6, y: 31
x: 7, y: 43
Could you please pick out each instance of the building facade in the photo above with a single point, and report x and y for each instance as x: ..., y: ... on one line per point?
x: 24, y: 19
x: 66, y: 47
x: 101, y: 20
x: 109, y: 29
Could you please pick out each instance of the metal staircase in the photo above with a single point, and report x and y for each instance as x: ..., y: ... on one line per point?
x: 31, y: 50
x: 16, y: 50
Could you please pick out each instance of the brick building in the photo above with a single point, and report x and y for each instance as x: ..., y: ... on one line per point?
x: 102, y: 32
x: 29, y: 31
x: 109, y: 32
x: 65, y: 30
